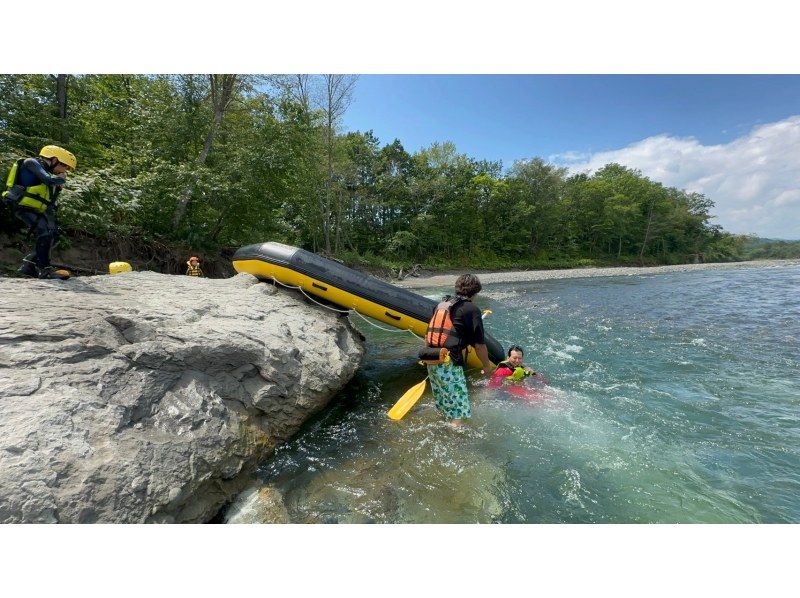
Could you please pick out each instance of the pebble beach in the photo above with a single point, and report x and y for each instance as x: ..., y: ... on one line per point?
x: 443, y: 280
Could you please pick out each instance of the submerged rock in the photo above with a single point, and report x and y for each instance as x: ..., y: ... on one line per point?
x: 145, y: 397
x: 472, y: 494
x: 441, y: 480
x: 258, y: 504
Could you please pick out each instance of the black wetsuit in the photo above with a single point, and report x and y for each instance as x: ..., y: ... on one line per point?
x: 43, y: 226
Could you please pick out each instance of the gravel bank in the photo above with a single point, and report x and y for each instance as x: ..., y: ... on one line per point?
x: 445, y: 280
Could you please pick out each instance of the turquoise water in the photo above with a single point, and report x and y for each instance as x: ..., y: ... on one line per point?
x: 672, y: 398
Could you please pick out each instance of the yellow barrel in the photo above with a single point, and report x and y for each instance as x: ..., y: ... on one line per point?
x: 118, y: 267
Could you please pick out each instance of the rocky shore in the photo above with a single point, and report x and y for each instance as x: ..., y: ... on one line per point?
x: 146, y: 397
x: 447, y: 280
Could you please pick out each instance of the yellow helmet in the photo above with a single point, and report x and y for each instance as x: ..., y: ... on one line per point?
x: 119, y: 267
x: 63, y: 156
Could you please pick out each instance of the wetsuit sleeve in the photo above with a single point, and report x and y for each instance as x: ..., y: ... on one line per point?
x: 35, y: 167
x: 472, y: 325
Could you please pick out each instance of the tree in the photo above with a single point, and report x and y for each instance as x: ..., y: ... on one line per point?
x: 222, y: 88
x: 541, y: 186
x: 336, y: 98
x: 61, y: 100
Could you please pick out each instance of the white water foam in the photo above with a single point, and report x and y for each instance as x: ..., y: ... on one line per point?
x: 559, y: 355
x: 571, y: 487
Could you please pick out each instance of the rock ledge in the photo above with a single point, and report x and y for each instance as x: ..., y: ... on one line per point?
x: 145, y: 397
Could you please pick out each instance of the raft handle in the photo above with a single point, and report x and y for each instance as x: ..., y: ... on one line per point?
x: 392, y: 316
x: 319, y: 286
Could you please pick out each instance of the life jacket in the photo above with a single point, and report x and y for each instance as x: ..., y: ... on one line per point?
x: 509, y: 372
x: 440, y: 326
x: 506, y: 374
x: 504, y: 369
x: 193, y: 270
x: 36, y: 197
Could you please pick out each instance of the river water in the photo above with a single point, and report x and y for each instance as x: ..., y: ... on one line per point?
x: 671, y: 398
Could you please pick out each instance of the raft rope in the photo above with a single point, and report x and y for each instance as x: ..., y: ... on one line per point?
x: 347, y: 311
x: 343, y: 311
x: 385, y: 329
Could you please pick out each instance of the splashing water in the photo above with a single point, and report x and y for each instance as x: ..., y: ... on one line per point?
x: 672, y: 398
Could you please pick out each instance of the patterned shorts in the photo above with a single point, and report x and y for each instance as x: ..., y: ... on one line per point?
x: 449, y: 388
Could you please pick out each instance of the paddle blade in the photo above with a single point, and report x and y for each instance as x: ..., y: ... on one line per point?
x: 407, y: 401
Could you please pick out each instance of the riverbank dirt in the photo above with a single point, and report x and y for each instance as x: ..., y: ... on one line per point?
x: 447, y: 280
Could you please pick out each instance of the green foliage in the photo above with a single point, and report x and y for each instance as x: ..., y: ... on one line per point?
x: 267, y: 176
x: 403, y: 243
x: 763, y: 249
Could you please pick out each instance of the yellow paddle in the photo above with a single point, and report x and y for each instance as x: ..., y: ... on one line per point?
x: 407, y: 401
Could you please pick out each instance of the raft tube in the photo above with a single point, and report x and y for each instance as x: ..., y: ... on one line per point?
x: 346, y: 288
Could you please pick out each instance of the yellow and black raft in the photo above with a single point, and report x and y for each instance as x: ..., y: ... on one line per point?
x: 346, y: 288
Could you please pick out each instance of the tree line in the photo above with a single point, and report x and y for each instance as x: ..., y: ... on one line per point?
x: 214, y: 162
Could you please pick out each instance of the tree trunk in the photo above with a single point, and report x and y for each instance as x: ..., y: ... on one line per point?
x: 326, y: 214
x: 61, y: 100
x: 647, y: 232
x: 338, y: 93
x: 338, y: 238
x: 126, y: 82
x: 220, y: 222
x: 221, y: 94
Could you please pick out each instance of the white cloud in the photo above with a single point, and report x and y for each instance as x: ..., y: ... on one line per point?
x: 753, y: 180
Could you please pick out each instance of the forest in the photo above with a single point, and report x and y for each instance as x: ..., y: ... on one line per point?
x: 208, y: 163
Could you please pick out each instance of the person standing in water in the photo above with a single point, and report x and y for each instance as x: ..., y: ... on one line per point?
x: 460, y: 324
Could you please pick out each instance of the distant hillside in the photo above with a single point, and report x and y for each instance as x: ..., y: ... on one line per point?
x: 761, y: 249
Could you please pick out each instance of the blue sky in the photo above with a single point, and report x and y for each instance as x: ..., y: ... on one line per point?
x: 700, y: 132
x: 511, y: 117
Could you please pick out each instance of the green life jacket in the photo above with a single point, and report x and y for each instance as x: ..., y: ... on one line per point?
x: 36, y: 197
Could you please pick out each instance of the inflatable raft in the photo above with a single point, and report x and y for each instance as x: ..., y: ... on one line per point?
x: 346, y: 288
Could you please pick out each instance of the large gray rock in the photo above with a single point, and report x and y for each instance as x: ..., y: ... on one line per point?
x: 144, y: 397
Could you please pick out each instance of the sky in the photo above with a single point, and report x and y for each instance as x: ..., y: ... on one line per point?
x: 734, y: 138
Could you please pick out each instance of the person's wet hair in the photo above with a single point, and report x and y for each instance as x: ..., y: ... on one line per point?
x: 515, y: 348
x: 468, y: 285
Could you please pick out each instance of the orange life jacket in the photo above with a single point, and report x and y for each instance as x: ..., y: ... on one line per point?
x: 440, y: 326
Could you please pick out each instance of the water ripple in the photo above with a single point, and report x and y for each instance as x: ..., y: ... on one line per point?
x: 672, y: 398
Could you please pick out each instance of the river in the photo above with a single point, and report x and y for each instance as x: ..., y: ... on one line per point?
x: 672, y: 397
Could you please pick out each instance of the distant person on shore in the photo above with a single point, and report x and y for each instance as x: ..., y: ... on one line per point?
x: 456, y: 325
x: 512, y: 369
x: 32, y: 188
x: 194, y: 267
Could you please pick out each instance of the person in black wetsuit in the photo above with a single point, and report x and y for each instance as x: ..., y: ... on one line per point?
x: 32, y: 188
